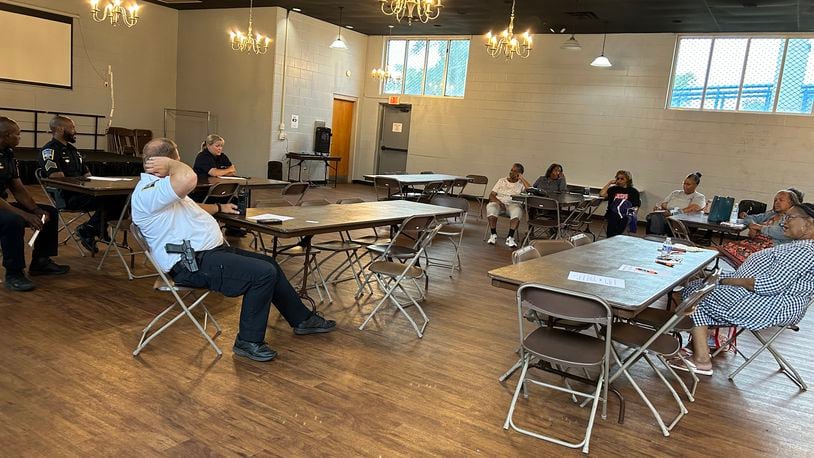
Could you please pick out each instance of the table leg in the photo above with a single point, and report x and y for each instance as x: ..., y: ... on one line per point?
x: 305, y: 271
x: 115, y: 232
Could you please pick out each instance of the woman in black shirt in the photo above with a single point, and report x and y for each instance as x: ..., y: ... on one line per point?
x: 622, y: 199
x: 212, y: 161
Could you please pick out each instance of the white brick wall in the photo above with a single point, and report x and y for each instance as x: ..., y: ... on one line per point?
x: 554, y: 107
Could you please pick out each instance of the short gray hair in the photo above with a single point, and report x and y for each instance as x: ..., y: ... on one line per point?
x: 159, y: 147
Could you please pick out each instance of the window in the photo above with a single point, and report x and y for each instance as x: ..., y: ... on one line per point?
x: 427, y: 67
x: 751, y: 74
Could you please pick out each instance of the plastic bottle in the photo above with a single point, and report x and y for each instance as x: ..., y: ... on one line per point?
x: 667, y: 247
x: 733, y: 217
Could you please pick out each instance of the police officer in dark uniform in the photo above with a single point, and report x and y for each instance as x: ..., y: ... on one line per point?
x: 213, y: 162
x: 60, y: 158
x: 15, y: 216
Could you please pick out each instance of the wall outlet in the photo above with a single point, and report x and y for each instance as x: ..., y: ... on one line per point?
x: 295, y: 121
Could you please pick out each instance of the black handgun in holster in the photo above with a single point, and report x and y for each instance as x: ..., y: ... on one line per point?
x: 186, y: 252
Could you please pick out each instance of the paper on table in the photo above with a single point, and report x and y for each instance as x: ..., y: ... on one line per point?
x: 637, y: 269
x: 270, y: 216
x: 687, y: 248
x: 108, y: 178
x: 596, y: 279
x: 233, y: 178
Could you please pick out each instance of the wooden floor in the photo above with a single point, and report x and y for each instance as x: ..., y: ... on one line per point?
x: 69, y: 385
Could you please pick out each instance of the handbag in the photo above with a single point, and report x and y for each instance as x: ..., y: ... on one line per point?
x: 721, y: 209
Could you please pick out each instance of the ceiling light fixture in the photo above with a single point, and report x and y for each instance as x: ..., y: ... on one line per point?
x: 384, y: 74
x: 420, y: 10
x: 572, y: 44
x: 602, y: 61
x: 115, y: 11
x: 259, y: 44
x: 507, y: 44
x: 338, y: 43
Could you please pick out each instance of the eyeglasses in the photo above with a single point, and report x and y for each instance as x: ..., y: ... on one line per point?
x: 787, y: 218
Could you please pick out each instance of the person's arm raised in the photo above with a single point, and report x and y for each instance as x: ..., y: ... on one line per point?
x: 182, y: 178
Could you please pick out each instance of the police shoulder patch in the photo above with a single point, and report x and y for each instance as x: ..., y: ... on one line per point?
x: 47, y: 154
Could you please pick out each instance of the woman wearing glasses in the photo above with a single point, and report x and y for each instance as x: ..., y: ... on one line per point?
x: 768, y: 223
x: 771, y: 288
x: 623, y: 201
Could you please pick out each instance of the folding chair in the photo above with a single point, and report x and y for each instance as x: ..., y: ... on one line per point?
x: 478, y: 180
x: 222, y: 193
x: 579, y: 221
x: 456, y: 187
x: 660, y: 343
x: 452, y: 231
x: 401, y: 247
x: 558, y: 351
x: 390, y: 276
x: 180, y: 293
x: 766, y: 344
x: 430, y: 190
x: 548, y: 217
x: 55, y: 199
x: 579, y: 240
x: 294, y: 192
x: 678, y: 229
x: 388, y: 189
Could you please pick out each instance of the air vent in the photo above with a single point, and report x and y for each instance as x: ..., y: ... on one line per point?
x: 583, y: 15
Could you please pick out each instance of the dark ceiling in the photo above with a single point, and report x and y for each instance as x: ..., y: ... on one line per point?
x: 465, y: 17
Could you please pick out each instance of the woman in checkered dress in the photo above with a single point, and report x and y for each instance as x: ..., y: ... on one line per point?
x: 771, y: 288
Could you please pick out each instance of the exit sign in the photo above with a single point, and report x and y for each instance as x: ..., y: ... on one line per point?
x: 393, y: 100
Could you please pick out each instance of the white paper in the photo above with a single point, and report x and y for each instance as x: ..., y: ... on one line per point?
x: 270, y: 216
x: 232, y: 178
x: 596, y: 279
x: 397, y: 126
x: 35, y: 234
x: 108, y: 178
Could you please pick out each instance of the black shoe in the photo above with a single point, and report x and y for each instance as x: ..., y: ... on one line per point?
x: 314, y: 324
x: 254, y: 351
x: 18, y: 282
x: 87, y: 239
x: 47, y: 267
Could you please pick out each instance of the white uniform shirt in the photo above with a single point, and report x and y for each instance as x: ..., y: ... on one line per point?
x: 164, y: 218
x: 505, y: 189
x: 680, y: 199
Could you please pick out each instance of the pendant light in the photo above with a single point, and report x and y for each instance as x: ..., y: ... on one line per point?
x: 602, y: 61
x: 339, y: 43
x: 572, y: 44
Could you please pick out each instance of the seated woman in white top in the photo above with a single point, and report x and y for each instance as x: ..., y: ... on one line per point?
x: 686, y: 200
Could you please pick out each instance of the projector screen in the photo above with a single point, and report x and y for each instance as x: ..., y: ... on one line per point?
x: 36, y: 47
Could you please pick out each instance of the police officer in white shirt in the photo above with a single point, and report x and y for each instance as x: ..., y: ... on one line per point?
x: 166, y: 215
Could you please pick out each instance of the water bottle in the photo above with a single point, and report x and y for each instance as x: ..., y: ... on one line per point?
x: 733, y: 217
x: 242, y: 201
x: 667, y: 247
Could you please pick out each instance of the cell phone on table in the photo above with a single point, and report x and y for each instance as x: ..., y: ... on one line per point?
x: 270, y: 221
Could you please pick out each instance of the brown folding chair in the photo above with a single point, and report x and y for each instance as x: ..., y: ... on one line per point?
x: 548, y: 217
x: 478, y: 180
x: 388, y: 189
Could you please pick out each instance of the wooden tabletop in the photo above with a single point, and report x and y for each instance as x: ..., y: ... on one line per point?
x: 250, y: 182
x: 333, y: 218
x: 419, y: 178
x: 604, y: 258
x: 701, y: 220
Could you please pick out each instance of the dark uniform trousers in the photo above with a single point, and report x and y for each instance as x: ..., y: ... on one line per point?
x: 257, y: 277
x: 111, y: 207
x: 12, y: 232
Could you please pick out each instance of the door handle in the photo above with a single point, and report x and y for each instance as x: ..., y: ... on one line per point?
x: 394, y: 149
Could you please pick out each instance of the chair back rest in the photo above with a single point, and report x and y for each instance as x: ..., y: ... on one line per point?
x: 452, y: 202
x: 527, y: 253
x: 579, y: 240
x: 314, y: 203
x: 223, y: 192
x: 547, y: 247
x: 142, y: 136
x: 751, y: 207
x: 54, y: 194
x: 564, y: 304
x: 294, y: 192
x: 350, y: 200
x: 431, y: 189
x: 720, y: 209
x: 688, y: 305
x: 386, y: 188
x: 478, y: 179
x: 412, y: 229
x: 678, y: 229
x: 121, y: 140
x: 543, y: 203
x: 139, y: 238
x: 456, y: 186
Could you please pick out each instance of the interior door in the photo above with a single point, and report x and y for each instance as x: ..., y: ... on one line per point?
x: 394, y: 139
x: 341, y: 128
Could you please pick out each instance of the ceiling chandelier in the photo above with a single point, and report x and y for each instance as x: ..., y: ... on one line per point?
x: 507, y: 43
x: 259, y: 44
x: 421, y: 10
x: 384, y: 74
x: 115, y: 11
